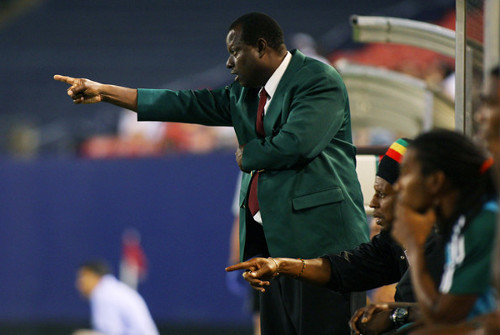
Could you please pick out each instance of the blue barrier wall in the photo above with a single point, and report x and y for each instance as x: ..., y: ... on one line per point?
x: 56, y: 213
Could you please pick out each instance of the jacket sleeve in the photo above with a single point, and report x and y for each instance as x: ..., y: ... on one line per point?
x: 368, y: 266
x: 316, y: 109
x: 207, y: 107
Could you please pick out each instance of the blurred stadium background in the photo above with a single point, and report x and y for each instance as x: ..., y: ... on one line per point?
x: 73, y: 179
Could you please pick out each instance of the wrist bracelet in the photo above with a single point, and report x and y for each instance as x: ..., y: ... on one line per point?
x: 277, y: 272
x: 302, y: 270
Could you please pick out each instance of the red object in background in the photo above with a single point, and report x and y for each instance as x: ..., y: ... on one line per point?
x: 133, y: 265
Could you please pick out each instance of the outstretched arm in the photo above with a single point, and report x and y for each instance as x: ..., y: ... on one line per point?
x: 261, y: 270
x: 85, y: 91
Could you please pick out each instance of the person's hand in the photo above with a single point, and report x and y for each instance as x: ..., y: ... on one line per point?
x: 371, y: 319
x: 82, y: 90
x: 259, y: 271
x: 239, y: 156
x: 411, y: 228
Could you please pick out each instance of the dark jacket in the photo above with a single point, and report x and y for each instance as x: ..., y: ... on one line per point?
x: 381, y: 262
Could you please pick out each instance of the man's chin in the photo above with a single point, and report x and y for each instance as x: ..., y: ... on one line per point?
x: 386, y: 228
x: 242, y: 83
x: 246, y: 84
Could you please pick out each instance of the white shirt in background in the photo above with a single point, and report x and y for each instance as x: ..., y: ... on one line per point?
x: 116, y: 309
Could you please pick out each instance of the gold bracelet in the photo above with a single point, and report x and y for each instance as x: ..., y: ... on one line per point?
x: 277, y: 272
x: 302, y: 270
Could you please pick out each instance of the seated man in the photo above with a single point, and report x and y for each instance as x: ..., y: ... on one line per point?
x: 379, y: 262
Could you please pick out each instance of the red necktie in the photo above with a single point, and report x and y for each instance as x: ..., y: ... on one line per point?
x: 253, y: 202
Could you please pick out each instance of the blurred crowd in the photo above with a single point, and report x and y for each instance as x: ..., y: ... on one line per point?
x: 141, y: 139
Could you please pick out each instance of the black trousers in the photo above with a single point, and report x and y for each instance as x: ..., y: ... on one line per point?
x: 292, y: 307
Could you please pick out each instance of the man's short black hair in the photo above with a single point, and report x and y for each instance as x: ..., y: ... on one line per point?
x: 257, y: 25
x: 97, y: 266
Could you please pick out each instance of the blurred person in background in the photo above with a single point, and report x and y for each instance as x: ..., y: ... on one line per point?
x: 116, y: 309
x: 308, y: 201
x: 488, y: 118
x: 133, y: 264
x: 307, y: 45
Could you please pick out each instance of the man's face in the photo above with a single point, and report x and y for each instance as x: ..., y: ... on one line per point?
x: 383, y: 203
x: 488, y: 118
x: 411, y: 185
x: 244, y: 60
x: 85, y: 282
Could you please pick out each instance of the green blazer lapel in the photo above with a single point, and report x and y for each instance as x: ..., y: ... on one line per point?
x: 274, y: 111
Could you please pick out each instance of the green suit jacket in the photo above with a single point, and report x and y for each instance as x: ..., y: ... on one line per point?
x: 309, y: 195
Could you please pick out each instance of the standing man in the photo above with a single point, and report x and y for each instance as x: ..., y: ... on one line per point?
x: 116, y: 309
x: 300, y: 196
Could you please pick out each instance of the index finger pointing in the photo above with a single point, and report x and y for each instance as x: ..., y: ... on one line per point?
x: 239, y: 266
x: 65, y: 79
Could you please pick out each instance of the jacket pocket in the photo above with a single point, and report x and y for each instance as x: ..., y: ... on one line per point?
x: 324, y: 197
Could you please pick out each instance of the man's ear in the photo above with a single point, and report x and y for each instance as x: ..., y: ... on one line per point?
x: 436, y: 182
x: 261, y: 46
